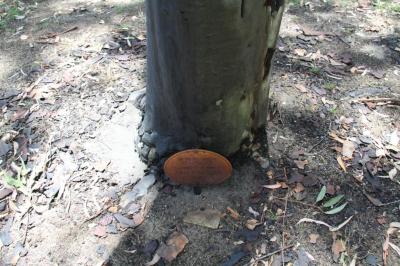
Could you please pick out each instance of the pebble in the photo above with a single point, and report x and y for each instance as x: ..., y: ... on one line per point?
x: 2, y: 206
x: 112, y: 229
x: 4, y: 193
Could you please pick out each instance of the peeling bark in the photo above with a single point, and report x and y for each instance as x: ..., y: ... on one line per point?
x: 208, y: 72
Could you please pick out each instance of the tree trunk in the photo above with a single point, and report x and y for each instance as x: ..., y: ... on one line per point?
x: 208, y: 69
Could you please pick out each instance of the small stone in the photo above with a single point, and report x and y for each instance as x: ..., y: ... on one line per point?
x: 113, y: 209
x: 4, y: 148
x: 106, y: 220
x: 5, y: 192
x: 101, y: 166
x: 95, y: 117
x: 2, y: 206
x: 264, y: 163
x: 138, y: 191
x: 152, y: 155
x: 20, y: 250
x: 100, y: 231
x: 5, y: 238
x: 371, y: 260
x: 112, y: 229
x: 126, y: 222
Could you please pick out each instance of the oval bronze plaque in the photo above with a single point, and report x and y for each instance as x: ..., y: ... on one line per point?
x: 198, y: 167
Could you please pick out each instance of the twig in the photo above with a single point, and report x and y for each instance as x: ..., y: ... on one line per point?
x: 97, y: 214
x: 318, y: 143
x: 69, y: 30
x: 26, y: 228
x: 302, y: 203
x: 283, y: 222
x: 393, y: 101
x: 270, y: 254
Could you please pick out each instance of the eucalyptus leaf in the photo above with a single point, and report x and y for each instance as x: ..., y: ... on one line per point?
x: 333, y: 201
x: 321, y: 194
x: 337, y: 209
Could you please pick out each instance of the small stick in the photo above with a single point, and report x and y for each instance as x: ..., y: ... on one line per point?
x: 283, y: 224
x: 302, y: 203
x: 69, y: 30
x: 393, y: 101
x: 319, y: 142
x: 270, y: 254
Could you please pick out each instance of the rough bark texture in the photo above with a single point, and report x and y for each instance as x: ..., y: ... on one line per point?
x: 208, y: 71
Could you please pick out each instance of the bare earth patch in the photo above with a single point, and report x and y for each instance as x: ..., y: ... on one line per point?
x: 73, y: 190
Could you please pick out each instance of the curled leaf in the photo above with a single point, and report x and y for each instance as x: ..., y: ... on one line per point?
x: 337, y: 210
x: 330, y: 203
x: 321, y: 194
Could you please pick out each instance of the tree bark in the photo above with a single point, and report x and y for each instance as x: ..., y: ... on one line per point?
x: 208, y: 69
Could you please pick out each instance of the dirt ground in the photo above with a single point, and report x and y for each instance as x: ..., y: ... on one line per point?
x: 74, y: 192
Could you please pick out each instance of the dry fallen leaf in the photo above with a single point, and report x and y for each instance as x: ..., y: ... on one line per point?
x: 373, y: 200
x: 301, y: 88
x: 299, y: 188
x: 252, y: 223
x: 300, y: 52
x: 338, y: 246
x: 341, y: 163
x: 300, y: 164
x: 234, y: 214
x: 175, y: 244
x: 348, y: 149
x: 330, y: 189
x: 113, y: 209
x: 381, y: 220
x: 313, y: 238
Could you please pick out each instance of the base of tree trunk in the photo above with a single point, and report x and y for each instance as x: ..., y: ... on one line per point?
x: 208, y: 71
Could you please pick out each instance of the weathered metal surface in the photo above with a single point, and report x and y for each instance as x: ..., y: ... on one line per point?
x: 198, y: 167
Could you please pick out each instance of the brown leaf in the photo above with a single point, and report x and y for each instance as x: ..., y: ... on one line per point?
x: 301, y: 164
x: 299, y: 188
x: 348, y: 149
x: 234, y: 214
x: 373, y: 200
x: 106, y: 220
x: 381, y: 220
x: 20, y: 114
x: 341, y: 163
x: 301, y: 88
x: 338, y: 247
x: 283, y: 185
x: 252, y: 223
x: 138, y: 218
x: 358, y: 176
x: 175, y: 244
x: 113, y: 209
x: 334, y: 136
x: 330, y: 189
x: 379, y: 74
x: 313, y: 238
x: 208, y: 218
